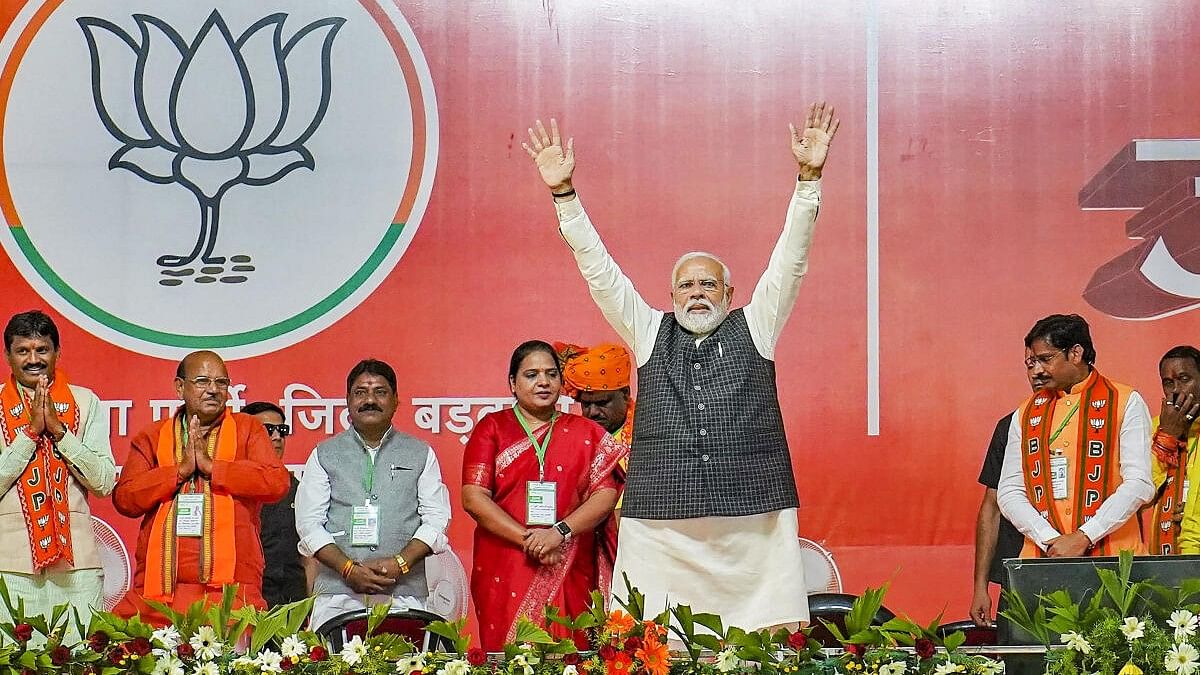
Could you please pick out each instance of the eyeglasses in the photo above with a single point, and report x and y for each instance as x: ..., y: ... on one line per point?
x: 1043, y: 359
x: 282, y: 429
x: 202, y: 382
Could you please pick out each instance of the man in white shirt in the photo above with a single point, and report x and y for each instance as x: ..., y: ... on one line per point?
x: 709, y: 512
x: 1077, y: 463
x: 371, y: 505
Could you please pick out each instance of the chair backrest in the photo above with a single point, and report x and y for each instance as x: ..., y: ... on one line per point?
x: 833, y: 607
x: 409, y: 623
x: 976, y: 636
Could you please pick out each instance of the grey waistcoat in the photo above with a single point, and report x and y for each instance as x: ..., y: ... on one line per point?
x: 398, y: 465
x: 708, y: 436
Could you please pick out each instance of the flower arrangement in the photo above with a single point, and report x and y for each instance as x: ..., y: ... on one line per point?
x: 219, y: 640
x: 1125, y: 628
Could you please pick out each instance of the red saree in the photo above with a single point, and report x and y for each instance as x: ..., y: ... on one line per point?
x: 505, y: 583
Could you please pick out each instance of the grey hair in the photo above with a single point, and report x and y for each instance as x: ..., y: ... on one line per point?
x: 725, y: 276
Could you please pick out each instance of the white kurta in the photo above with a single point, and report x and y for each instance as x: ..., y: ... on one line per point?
x: 747, y: 569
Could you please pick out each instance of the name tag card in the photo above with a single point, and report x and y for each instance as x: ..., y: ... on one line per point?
x: 1058, y: 477
x: 189, y: 514
x: 1187, y: 488
x: 364, y: 526
x: 541, y: 503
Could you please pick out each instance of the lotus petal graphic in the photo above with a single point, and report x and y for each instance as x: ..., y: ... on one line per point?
x: 155, y: 94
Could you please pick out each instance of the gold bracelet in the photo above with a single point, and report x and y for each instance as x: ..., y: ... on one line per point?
x: 404, y: 568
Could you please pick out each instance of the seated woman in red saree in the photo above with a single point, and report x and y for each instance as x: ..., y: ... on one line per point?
x: 530, y: 552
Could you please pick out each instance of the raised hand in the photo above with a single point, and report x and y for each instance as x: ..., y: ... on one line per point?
x: 555, y: 163
x: 187, y: 466
x: 1177, y: 413
x: 811, y: 144
x: 199, y: 446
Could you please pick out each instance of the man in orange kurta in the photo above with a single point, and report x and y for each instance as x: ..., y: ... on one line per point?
x: 198, y: 480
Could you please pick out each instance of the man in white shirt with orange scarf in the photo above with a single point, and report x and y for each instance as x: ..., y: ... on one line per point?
x: 1077, y: 464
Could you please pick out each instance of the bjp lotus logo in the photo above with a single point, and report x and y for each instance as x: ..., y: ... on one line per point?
x: 167, y: 139
x: 233, y: 176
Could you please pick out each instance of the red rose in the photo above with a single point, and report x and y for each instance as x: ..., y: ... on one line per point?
x: 139, y: 645
x: 22, y: 632
x: 116, y: 655
x: 476, y: 656
x: 925, y: 648
x: 318, y: 653
x: 608, y: 652
x: 572, y: 659
x: 60, y: 655
x: 855, y: 649
x: 797, y: 640
x: 632, y: 645
x: 287, y: 664
x: 98, y: 641
x: 185, y: 650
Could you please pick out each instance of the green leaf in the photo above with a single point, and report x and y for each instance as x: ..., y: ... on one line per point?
x: 635, y: 603
x: 863, y: 610
x: 376, y: 616
x: 528, y: 631
x: 172, y: 616
x: 710, y: 621
x: 706, y: 641
x: 452, y: 631
x: 954, y: 640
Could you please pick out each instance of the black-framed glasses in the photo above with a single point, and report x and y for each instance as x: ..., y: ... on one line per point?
x: 202, y: 382
x: 283, y: 430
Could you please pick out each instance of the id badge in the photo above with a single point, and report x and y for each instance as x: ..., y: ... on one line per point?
x: 189, y: 514
x: 1058, y: 477
x: 364, y: 526
x: 1187, y: 484
x: 541, y: 503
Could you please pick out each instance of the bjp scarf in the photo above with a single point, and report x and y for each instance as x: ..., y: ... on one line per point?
x: 604, y: 367
x: 1098, y: 441
x: 42, y: 487
x: 1172, y: 453
x: 217, y: 533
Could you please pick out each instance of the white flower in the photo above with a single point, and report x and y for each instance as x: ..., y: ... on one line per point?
x: 206, y: 644
x: 991, y: 667
x: 268, y: 661
x: 1133, y: 628
x: 245, y: 661
x: 1182, y: 659
x: 455, y: 667
x: 1076, y: 642
x: 207, y: 669
x: 893, y: 668
x: 168, y: 664
x: 948, y: 668
x: 168, y: 638
x: 293, y: 646
x: 414, y: 661
x: 1184, y: 623
x: 353, y: 651
x: 570, y: 670
x: 727, y: 660
x: 522, y: 661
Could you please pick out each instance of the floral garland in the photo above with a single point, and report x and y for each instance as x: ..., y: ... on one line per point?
x: 219, y: 640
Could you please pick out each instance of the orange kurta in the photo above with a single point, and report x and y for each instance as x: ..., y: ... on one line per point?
x: 1128, y: 536
x: 254, y: 477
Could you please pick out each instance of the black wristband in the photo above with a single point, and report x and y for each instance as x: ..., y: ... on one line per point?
x: 568, y: 193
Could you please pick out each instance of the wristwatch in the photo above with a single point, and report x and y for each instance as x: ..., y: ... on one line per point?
x: 564, y: 530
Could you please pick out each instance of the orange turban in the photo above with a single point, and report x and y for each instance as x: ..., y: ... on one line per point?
x: 601, y: 368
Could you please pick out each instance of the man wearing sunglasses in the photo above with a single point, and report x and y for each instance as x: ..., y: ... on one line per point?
x: 198, y: 480
x: 284, y: 575
x: 1077, y: 462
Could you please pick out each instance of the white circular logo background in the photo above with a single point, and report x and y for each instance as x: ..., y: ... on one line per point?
x: 235, y: 176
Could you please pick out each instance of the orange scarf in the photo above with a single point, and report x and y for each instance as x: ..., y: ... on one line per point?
x: 43, y: 485
x: 1164, y: 531
x: 1097, y: 440
x: 217, y: 535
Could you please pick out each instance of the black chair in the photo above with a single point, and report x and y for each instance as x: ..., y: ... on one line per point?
x: 833, y: 607
x: 976, y: 636
x: 409, y: 623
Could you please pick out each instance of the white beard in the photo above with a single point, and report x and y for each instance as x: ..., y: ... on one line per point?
x: 701, y: 323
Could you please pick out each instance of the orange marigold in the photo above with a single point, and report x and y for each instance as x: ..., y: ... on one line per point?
x: 655, y: 657
x: 619, y: 664
x: 618, y: 622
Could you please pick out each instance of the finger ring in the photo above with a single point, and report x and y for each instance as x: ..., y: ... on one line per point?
x: 1176, y: 407
x: 1190, y: 417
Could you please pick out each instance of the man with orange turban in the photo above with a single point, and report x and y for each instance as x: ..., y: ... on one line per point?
x: 599, y: 379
